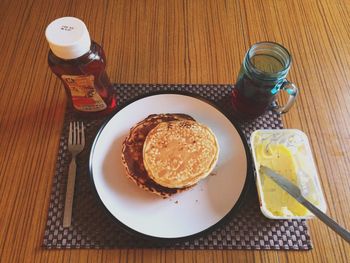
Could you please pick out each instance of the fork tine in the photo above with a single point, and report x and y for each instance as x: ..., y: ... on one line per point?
x: 74, y: 133
x: 78, y: 133
x: 82, y: 134
x: 70, y: 139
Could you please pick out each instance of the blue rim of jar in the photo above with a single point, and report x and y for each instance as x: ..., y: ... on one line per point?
x: 252, y: 70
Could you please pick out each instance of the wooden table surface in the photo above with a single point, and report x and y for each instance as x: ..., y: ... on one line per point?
x: 169, y: 42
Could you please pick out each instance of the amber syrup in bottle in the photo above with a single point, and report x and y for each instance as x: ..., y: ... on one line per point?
x: 80, y: 63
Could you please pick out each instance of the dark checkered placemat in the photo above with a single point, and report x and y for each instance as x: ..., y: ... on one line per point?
x: 92, y: 227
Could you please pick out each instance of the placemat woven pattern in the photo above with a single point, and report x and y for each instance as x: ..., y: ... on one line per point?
x: 92, y: 227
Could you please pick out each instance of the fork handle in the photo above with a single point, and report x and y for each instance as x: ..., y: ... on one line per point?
x: 67, y: 215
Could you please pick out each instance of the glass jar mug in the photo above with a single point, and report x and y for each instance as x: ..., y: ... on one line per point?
x: 262, y: 76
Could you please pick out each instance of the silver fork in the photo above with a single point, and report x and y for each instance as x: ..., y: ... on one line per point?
x: 76, y: 143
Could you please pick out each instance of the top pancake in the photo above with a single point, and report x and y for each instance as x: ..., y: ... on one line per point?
x: 132, y: 157
x: 178, y: 154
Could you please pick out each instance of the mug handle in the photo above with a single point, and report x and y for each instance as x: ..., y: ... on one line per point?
x: 293, y: 92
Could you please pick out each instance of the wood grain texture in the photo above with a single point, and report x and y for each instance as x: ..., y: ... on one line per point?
x: 159, y: 41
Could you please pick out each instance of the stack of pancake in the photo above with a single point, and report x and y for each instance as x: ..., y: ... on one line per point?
x: 169, y: 153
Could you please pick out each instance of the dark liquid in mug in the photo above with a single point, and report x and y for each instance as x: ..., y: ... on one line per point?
x: 252, y: 96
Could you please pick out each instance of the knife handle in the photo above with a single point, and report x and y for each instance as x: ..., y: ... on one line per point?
x: 326, y: 219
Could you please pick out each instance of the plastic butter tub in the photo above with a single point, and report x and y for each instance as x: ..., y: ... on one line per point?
x: 288, y: 153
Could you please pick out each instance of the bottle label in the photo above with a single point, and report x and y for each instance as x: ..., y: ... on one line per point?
x: 84, y: 94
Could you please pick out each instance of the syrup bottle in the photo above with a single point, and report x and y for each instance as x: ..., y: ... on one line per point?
x: 80, y: 63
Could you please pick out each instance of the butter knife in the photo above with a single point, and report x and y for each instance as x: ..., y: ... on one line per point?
x: 294, y: 191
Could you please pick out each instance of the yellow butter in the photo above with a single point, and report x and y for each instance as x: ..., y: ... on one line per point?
x: 280, y: 159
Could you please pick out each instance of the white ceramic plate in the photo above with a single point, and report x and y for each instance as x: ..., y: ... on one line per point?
x: 186, y: 213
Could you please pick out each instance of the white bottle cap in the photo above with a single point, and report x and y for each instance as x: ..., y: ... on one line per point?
x: 68, y: 37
